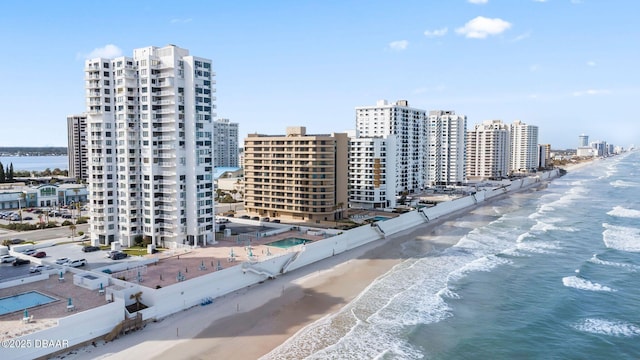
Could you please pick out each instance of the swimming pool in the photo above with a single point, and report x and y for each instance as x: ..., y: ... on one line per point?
x: 23, y: 301
x: 380, y: 218
x: 287, y: 243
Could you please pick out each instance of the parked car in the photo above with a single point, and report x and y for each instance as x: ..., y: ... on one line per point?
x: 256, y: 218
x: 16, y: 241
x: 66, y: 216
x: 39, y: 254
x: 30, y: 252
x: 77, y: 263
x: 245, y: 217
x: 62, y: 261
x: 18, y: 262
x: 265, y: 219
x: 39, y: 268
x: 27, y: 218
x: 7, y: 258
x: 119, y: 255
x: 90, y: 248
x: 276, y: 220
x: 111, y: 252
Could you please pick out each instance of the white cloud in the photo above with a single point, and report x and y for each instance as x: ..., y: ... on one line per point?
x: 108, y: 51
x: 591, y: 63
x: 477, y: 1
x: 540, y: 1
x: 399, y: 45
x: 481, y: 27
x: 182, y: 21
x: 592, y: 92
x: 436, y: 32
x: 521, y: 36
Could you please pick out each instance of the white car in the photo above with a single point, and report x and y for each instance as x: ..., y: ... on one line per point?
x: 39, y: 268
x: 7, y: 258
x: 76, y: 263
x: 62, y: 261
x: 30, y: 252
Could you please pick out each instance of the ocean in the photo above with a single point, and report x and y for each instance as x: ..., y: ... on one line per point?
x: 35, y: 163
x: 553, y: 275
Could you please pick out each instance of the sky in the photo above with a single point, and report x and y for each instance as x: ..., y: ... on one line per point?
x: 569, y: 67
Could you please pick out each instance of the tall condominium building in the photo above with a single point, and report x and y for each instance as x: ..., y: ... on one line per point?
x: 372, y: 176
x: 150, y: 143
x: 447, y: 150
x: 409, y: 126
x: 524, y: 147
x: 488, y: 150
x: 544, y: 155
x: 583, y: 140
x: 226, y: 143
x: 297, y: 175
x: 77, y: 146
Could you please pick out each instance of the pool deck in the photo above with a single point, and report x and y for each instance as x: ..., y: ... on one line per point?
x: 163, y: 273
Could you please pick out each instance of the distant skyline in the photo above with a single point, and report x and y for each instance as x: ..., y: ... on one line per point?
x: 566, y: 66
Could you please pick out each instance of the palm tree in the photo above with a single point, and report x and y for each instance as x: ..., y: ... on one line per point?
x: 72, y: 227
x: 137, y: 297
x: 40, y: 221
x: 22, y: 197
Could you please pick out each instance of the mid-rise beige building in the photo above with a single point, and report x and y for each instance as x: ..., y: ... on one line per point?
x: 488, y: 150
x: 297, y: 175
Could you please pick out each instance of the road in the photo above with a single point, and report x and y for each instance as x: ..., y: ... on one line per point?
x: 44, y: 234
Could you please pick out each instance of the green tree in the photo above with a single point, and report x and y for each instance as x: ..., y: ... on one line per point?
x: 2, y: 175
x: 9, y: 173
x: 73, y: 228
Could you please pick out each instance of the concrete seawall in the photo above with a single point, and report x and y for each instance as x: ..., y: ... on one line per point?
x: 95, y: 323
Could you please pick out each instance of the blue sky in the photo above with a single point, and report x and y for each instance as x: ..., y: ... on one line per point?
x: 567, y: 66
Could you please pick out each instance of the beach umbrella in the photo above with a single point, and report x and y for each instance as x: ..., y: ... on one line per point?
x: 26, y: 313
x: 219, y: 265
x: 70, y: 303
x: 231, y: 254
x: 101, y: 288
x: 250, y: 252
x: 268, y: 251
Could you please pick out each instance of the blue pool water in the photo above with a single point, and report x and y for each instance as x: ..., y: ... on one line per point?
x: 23, y: 301
x: 380, y: 218
x: 287, y: 243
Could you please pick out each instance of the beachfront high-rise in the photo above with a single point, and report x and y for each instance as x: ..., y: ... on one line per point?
x: 583, y: 140
x: 150, y: 143
x: 372, y: 176
x: 447, y: 149
x: 226, y: 143
x: 77, y: 146
x: 409, y: 126
x: 488, y: 150
x: 297, y: 175
x: 524, y: 147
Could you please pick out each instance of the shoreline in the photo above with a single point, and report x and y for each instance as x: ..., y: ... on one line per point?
x: 252, y: 322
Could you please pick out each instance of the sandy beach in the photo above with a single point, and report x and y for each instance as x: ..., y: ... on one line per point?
x: 249, y: 323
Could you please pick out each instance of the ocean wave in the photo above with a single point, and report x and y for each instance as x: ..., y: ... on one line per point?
x: 620, y: 211
x: 545, y: 226
x: 608, y: 327
x: 596, y: 260
x: 538, y: 247
x: 621, y: 238
x: 623, y: 184
x: 583, y: 284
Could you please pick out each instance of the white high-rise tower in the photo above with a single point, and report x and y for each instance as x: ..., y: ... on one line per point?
x: 150, y: 144
x: 447, y: 149
x: 524, y: 147
x: 488, y: 150
x: 409, y: 127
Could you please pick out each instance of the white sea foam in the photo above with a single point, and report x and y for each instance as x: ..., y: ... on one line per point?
x: 538, y: 247
x: 620, y: 211
x: 596, y: 260
x: 546, y: 226
x: 621, y: 238
x: 623, y: 184
x: 608, y: 327
x: 583, y: 284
